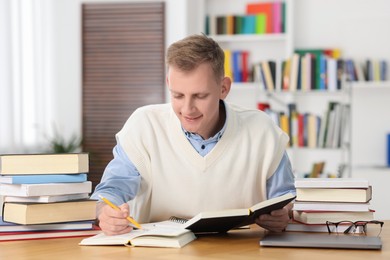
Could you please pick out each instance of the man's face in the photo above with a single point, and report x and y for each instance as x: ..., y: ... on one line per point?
x: 195, y: 98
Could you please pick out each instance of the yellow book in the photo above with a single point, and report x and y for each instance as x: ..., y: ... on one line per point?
x: 42, y: 213
x: 228, y: 64
x: 284, y: 125
x: 67, y: 163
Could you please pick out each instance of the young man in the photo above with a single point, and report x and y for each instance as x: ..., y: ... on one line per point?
x: 197, y: 153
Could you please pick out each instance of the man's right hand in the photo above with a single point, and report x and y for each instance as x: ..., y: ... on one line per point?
x: 111, y: 221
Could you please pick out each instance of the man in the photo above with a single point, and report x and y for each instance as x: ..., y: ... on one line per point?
x: 197, y: 153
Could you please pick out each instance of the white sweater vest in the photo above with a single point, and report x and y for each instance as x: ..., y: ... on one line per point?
x: 177, y: 181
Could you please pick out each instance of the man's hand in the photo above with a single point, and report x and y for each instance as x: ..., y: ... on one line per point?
x: 111, y: 221
x: 276, y: 221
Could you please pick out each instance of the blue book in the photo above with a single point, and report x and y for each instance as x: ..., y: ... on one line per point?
x: 42, y: 178
x: 237, y: 66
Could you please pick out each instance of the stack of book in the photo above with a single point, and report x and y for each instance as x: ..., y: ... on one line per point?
x: 330, y: 199
x: 45, y: 195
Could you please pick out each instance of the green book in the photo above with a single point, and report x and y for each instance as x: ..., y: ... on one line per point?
x: 260, y: 23
x: 317, y: 55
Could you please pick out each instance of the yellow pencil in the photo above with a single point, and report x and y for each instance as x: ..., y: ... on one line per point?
x: 112, y: 205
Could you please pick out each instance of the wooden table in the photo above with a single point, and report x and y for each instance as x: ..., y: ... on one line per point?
x: 242, y: 244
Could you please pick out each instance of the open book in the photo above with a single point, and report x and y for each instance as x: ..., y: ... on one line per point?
x: 152, y: 235
x: 224, y: 220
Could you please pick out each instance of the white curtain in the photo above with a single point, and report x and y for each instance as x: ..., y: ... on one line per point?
x: 25, y: 75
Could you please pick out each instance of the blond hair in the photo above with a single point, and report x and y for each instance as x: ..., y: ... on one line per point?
x: 192, y: 51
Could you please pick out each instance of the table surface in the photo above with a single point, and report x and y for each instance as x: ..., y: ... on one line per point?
x: 241, y: 244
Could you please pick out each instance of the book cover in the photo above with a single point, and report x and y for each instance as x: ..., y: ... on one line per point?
x: 248, y: 24
x: 277, y: 17
x: 260, y: 23
x: 12, y: 227
x: 47, y: 199
x: 334, y: 194
x: 331, y: 183
x: 294, y: 73
x: 320, y: 217
x: 237, y: 66
x: 330, y: 206
x: 225, y: 220
x: 69, y: 163
x: 42, y: 178
x: 152, y: 235
x: 33, y: 235
x: 262, y: 8
x: 317, y: 66
x: 267, y: 68
x: 228, y: 63
x: 245, y: 66
x: 45, y: 189
x: 44, y: 213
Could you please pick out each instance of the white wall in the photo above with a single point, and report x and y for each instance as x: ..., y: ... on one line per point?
x: 67, y: 59
x: 358, y: 27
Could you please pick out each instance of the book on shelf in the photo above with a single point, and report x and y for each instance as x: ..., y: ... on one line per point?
x: 262, y: 8
x: 66, y: 163
x: 225, y: 220
x: 12, y: 227
x: 33, y: 235
x: 42, y: 178
x: 331, y: 183
x: 303, y: 227
x: 152, y: 235
x: 268, y: 68
x: 43, y: 213
x: 330, y: 206
x: 47, y: 199
x: 45, y: 189
x: 362, y: 195
x: 320, y: 217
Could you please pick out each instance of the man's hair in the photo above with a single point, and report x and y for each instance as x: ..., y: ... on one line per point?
x: 192, y: 51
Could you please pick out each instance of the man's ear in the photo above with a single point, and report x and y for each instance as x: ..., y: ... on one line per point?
x: 225, y: 89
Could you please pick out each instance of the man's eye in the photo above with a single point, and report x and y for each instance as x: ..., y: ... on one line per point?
x: 177, y: 96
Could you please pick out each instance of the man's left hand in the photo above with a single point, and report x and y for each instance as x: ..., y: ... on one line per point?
x: 277, y: 220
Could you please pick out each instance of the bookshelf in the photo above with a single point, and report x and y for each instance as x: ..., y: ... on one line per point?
x: 276, y: 47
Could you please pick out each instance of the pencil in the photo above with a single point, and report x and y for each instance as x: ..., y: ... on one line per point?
x: 112, y: 205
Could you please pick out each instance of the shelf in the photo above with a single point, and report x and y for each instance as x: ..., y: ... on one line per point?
x: 249, y: 37
x: 370, y: 84
x: 257, y: 86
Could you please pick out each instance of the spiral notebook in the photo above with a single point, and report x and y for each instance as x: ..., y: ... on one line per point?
x: 287, y: 239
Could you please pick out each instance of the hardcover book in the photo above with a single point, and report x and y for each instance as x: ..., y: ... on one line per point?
x: 225, y: 220
x: 47, y: 199
x: 67, y: 163
x: 32, y: 235
x: 44, y: 213
x: 12, y: 227
x: 42, y: 178
x: 334, y: 194
x: 45, y: 189
x: 320, y: 217
x: 331, y: 183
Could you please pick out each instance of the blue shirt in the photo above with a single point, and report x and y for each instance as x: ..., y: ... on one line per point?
x: 121, y: 179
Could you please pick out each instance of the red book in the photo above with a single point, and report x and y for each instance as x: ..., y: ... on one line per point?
x: 32, y: 235
x: 245, y: 66
x: 265, y: 8
x: 301, y: 127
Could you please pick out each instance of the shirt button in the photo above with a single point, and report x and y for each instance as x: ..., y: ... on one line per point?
x: 203, y: 146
